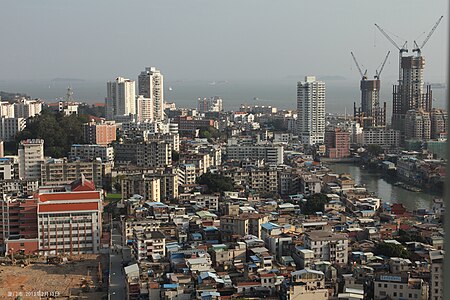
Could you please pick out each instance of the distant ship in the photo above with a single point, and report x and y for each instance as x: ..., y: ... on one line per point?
x: 170, y: 88
x: 255, y: 98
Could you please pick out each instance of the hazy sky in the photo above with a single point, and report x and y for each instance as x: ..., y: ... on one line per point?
x: 213, y: 40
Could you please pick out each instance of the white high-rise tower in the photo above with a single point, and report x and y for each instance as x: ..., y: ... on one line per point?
x: 311, y: 110
x: 121, y: 98
x: 151, y: 85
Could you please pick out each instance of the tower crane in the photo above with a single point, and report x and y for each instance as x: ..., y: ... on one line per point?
x: 401, y: 50
x: 378, y: 73
x: 363, y: 75
x: 419, y: 48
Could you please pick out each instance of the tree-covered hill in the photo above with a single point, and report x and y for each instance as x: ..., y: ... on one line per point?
x: 59, y: 132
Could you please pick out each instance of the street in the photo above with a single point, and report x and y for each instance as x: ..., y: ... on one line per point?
x: 117, y: 287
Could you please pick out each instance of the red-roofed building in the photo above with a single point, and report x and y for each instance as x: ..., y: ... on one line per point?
x: 398, y: 209
x: 57, y: 219
x: 70, y: 220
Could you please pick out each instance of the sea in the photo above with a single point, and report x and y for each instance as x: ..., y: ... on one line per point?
x: 340, y: 94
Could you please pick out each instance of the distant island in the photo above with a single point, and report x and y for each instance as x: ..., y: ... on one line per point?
x: 7, y: 96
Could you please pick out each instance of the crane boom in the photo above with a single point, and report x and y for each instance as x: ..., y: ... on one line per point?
x: 357, y: 65
x: 418, y: 49
x: 378, y: 73
x: 387, y: 36
x: 400, y: 51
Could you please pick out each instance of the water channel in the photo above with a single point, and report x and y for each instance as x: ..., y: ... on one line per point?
x: 385, y: 190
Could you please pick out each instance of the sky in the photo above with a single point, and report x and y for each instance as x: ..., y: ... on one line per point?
x: 214, y: 40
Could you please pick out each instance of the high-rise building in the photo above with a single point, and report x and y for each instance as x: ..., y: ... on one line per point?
x: 417, y: 125
x: 31, y: 156
x: 154, y: 154
x: 144, y: 109
x: 6, y: 109
x: 338, y: 143
x: 99, y: 133
x: 311, y: 110
x: 211, y: 104
x: 410, y: 93
x: 121, y: 98
x: 151, y: 85
x: 370, y: 113
x: 438, y: 123
x: 24, y: 108
x: 9, y: 127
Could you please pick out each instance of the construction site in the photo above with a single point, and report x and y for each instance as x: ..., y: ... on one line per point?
x: 59, y: 277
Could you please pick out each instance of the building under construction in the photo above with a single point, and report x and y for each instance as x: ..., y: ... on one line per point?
x: 411, y: 92
x: 370, y: 114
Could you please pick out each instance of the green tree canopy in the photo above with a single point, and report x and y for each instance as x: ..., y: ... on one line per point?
x: 374, y: 150
x: 58, y: 131
x: 216, y: 182
x: 392, y: 250
x: 313, y: 204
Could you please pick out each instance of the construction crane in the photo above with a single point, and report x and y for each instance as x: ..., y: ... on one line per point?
x: 378, y: 73
x: 363, y: 75
x: 401, y: 50
x: 419, y: 48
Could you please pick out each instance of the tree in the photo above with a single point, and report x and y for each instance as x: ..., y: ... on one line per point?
x: 392, y: 250
x: 209, y: 133
x: 58, y: 131
x: 313, y: 204
x: 175, y: 156
x: 374, y: 150
x: 405, y: 236
x: 216, y: 182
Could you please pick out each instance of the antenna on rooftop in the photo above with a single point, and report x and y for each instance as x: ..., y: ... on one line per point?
x: 69, y: 94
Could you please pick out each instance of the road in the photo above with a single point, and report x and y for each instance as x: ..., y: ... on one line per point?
x: 117, y: 277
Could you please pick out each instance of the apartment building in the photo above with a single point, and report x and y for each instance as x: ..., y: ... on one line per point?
x: 328, y: 246
x: 31, y: 157
x: 401, y: 286
x: 69, y: 218
x: 156, y: 154
x: 57, y: 171
x: 10, y: 127
x: 382, y: 137
x: 232, y: 227
x: 99, y: 132
x: 305, y: 284
x: 143, y: 185
x: 149, y: 244
x: 260, y: 180
x: 271, y: 153
x: 90, y: 152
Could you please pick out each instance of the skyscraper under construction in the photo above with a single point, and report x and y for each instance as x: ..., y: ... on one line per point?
x: 370, y: 114
x: 410, y: 92
x: 410, y: 96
